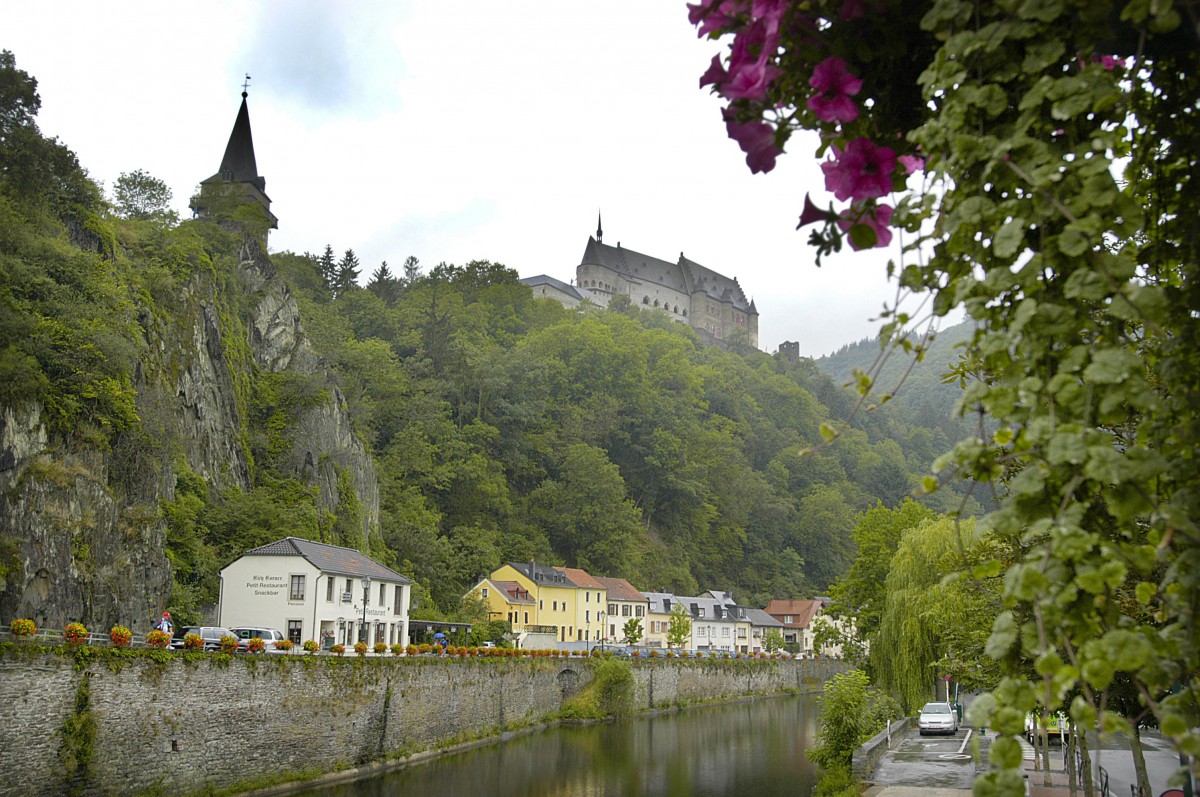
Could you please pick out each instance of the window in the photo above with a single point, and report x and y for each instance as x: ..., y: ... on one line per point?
x: 787, y: 618
x: 555, y: 605
x: 612, y: 631
x: 526, y: 618
x: 399, y: 603
x: 383, y: 594
x: 587, y: 617
x: 329, y: 589
x: 541, y: 604
x: 297, y: 592
x: 639, y: 611
x: 485, y: 592
x: 612, y: 608
x: 597, y: 597
x: 725, y: 632
x: 700, y: 612
x: 625, y: 610
x: 347, y: 591
x: 296, y: 627
x: 587, y: 597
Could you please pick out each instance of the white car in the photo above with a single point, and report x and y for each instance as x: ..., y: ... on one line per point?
x: 937, y: 718
x: 269, y: 636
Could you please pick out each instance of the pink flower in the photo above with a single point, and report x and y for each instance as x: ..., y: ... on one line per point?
x: 863, y: 171
x: 812, y: 214
x: 757, y: 140
x: 911, y: 163
x: 1111, y: 62
x: 876, y: 217
x: 715, y: 75
x: 835, y: 86
x: 714, y: 14
x: 750, y: 67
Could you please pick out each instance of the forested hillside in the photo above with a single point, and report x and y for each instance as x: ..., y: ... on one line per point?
x: 171, y: 396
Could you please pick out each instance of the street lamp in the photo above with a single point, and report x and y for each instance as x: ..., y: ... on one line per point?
x: 362, y: 632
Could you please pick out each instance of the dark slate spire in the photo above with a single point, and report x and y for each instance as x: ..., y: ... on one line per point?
x: 599, y: 228
x: 239, y: 165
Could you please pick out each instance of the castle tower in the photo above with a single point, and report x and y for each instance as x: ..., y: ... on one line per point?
x: 237, y: 182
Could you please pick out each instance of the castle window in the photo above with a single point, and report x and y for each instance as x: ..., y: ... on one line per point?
x: 676, y: 308
x: 685, y: 312
x: 645, y: 300
x: 656, y: 302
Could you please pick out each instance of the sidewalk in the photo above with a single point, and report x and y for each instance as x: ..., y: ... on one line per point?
x: 1059, y: 780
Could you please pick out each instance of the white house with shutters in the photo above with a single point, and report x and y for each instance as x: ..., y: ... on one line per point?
x: 310, y: 590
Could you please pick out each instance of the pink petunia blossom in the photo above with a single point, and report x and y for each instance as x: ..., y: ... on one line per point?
x: 1111, y: 62
x: 877, y: 218
x: 757, y: 140
x: 715, y: 75
x: 863, y: 171
x: 750, y: 67
x: 911, y: 163
x: 713, y: 15
x: 812, y: 214
x: 835, y: 85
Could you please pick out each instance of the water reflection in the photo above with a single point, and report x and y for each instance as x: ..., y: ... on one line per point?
x: 754, y: 748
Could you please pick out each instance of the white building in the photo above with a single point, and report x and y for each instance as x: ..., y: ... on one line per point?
x: 310, y: 590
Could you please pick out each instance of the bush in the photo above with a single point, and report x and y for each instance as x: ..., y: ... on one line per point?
x: 256, y: 645
x: 284, y: 644
x: 380, y: 648
x: 195, y: 642
x: 229, y: 644
x: 311, y: 646
x: 397, y: 649
x: 75, y: 634
x: 22, y: 626
x: 360, y: 648
x: 339, y: 649
x: 158, y: 639
x: 120, y: 636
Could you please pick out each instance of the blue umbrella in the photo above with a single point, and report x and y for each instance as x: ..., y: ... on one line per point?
x: 439, y: 635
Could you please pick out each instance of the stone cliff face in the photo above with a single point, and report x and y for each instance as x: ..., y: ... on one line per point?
x: 81, y: 529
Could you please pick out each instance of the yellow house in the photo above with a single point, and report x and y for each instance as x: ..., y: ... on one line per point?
x: 507, y: 600
x: 554, y: 596
x: 591, y: 607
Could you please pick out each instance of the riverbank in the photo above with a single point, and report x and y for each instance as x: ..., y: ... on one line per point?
x: 204, y: 723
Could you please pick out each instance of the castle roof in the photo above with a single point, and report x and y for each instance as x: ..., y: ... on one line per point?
x: 570, y: 290
x: 684, y: 276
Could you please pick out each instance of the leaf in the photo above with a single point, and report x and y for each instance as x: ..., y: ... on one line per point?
x: 1111, y: 366
x: 1072, y: 242
x: 828, y: 433
x: 1010, y: 239
x: 1003, y: 637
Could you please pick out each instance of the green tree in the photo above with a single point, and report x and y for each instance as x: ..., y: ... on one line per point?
x: 346, y: 277
x: 328, y: 267
x: 412, y: 270
x: 845, y: 719
x: 632, y: 630
x: 383, y: 284
x: 773, y: 640
x: 140, y: 195
x: 679, y: 626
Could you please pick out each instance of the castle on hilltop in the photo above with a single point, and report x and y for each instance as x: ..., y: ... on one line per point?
x: 712, y: 304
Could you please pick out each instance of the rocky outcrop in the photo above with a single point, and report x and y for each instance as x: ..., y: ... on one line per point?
x: 75, y: 549
x: 81, y: 529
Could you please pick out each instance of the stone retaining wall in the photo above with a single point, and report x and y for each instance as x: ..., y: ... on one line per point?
x: 867, y: 755
x: 192, y: 723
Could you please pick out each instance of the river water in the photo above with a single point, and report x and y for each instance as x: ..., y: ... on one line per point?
x: 750, y: 749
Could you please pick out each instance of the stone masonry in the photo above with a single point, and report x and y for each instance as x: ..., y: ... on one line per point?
x: 187, y: 725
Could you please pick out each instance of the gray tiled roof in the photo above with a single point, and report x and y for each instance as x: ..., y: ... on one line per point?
x: 684, y: 276
x: 330, y: 559
x: 540, y: 574
x: 760, y: 618
x: 570, y: 290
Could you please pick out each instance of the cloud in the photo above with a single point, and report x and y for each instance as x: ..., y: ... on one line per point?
x: 324, y: 56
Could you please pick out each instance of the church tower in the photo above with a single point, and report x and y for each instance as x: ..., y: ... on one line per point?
x: 237, y: 182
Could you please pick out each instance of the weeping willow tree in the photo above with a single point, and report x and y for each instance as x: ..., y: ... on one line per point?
x: 935, y: 615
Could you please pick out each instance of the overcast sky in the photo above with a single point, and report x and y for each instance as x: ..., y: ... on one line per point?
x: 451, y: 131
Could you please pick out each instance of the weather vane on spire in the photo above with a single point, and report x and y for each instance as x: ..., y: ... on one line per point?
x: 246, y: 85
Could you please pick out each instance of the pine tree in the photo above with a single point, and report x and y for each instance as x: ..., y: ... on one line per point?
x: 347, y: 273
x: 412, y: 270
x: 328, y: 268
x: 383, y: 283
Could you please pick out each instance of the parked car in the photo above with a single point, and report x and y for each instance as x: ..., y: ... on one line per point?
x: 211, y: 634
x: 269, y: 636
x: 937, y: 718
x: 1055, y: 725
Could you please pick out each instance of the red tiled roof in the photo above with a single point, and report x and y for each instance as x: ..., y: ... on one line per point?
x: 621, y: 590
x: 581, y: 578
x: 514, y: 592
x: 801, y: 611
